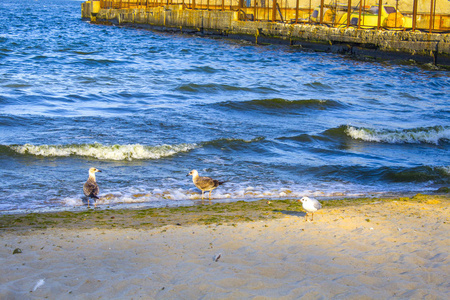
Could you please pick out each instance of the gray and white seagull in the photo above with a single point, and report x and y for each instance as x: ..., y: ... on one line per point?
x: 204, y: 183
x: 90, y: 187
x: 310, y: 205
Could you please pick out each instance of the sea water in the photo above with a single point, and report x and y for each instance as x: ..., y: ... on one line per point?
x: 147, y: 107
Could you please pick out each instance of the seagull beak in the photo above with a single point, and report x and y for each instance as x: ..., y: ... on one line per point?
x: 99, y: 170
x: 188, y: 175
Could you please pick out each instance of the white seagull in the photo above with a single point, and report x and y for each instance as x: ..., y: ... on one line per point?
x: 204, y: 183
x: 90, y: 187
x: 310, y: 205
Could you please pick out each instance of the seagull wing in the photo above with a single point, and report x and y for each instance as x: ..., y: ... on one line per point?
x: 205, y: 183
x: 317, y: 205
x: 90, y: 189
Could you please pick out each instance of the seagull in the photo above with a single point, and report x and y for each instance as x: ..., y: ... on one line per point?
x: 310, y: 205
x: 90, y: 188
x: 204, y: 183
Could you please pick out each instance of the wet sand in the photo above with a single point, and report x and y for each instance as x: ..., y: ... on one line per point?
x: 372, y: 249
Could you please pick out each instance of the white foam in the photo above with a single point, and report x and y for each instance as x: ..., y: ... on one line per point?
x: 72, y: 201
x: 430, y: 135
x: 107, y: 152
x: 446, y: 170
x: 186, y: 195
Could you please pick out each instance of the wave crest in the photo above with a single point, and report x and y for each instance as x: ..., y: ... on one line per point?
x: 429, y: 135
x: 279, y: 103
x: 106, y: 152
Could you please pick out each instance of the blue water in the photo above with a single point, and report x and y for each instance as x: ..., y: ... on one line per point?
x: 146, y: 108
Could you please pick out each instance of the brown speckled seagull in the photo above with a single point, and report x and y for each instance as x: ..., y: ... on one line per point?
x: 204, y: 183
x: 90, y: 188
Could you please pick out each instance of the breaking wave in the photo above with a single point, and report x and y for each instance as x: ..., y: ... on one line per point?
x: 429, y: 135
x: 439, y: 175
x: 106, y: 152
x: 232, y: 143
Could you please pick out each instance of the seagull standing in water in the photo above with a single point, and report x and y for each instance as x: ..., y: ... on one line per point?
x: 90, y: 188
x: 204, y: 183
x: 310, y: 205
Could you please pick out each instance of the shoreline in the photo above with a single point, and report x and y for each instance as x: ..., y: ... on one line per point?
x: 363, y: 249
x: 218, y: 213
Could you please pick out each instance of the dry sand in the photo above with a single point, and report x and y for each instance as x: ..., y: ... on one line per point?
x: 381, y: 250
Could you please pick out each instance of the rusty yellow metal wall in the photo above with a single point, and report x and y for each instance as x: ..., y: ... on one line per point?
x: 178, y: 18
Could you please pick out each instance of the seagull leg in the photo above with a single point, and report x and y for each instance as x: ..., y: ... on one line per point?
x: 210, y: 197
x: 312, y: 216
x: 202, y: 196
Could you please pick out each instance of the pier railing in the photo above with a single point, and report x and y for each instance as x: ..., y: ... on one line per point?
x: 424, y: 15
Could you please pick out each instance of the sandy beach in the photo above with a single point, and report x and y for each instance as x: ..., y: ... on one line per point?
x: 375, y: 249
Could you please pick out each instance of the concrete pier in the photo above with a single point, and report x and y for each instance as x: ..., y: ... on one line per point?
x: 386, y: 44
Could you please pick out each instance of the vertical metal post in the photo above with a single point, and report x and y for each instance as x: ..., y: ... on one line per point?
x: 321, y: 12
x: 363, y: 20
x: 396, y: 12
x: 255, y: 10
x: 359, y: 17
x: 274, y: 11
x: 379, y: 14
x: 193, y: 4
x: 309, y: 21
x: 296, y: 13
x: 349, y: 12
x: 414, y: 15
x: 432, y: 16
x: 223, y: 5
x: 240, y: 6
